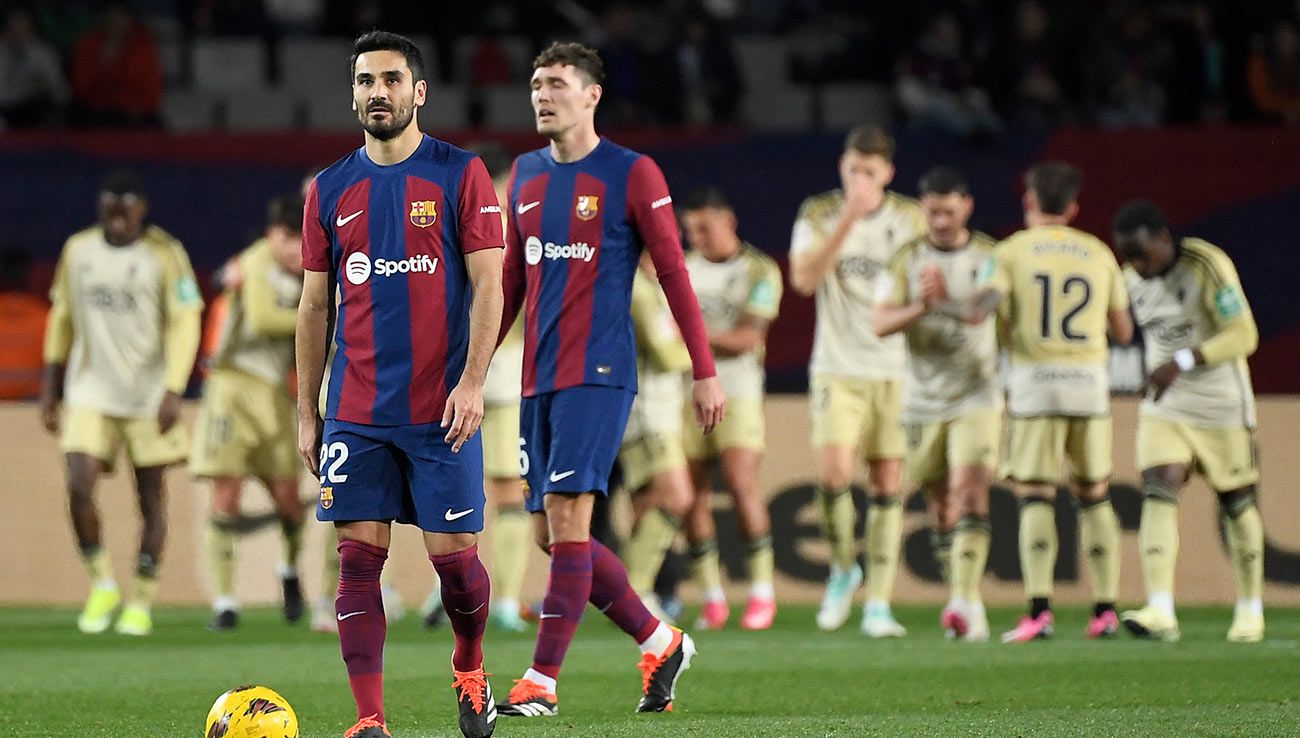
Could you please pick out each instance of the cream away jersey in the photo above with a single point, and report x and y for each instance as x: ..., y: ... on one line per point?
x: 1058, y: 284
x: 117, y: 310
x: 747, y: 284
x: 1198, y: 299
x: 257, y: 334
x: 844, y: 343
x: 952, y: 367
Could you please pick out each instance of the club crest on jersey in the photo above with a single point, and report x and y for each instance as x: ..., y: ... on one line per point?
x: 588, y: 206
x: 326, y: 497
x: 424, y: 213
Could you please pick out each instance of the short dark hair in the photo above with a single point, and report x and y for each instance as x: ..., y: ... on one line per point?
x: 706, y: 197
x: 1056, y: 184
x: 943, y: 180
x: 870, y: 140
x: 1135, y: 215
x: 388, y: 41
x: 122, y: 182
x: 494, y: 156
x: 571, y: 53
x: 286, y: 211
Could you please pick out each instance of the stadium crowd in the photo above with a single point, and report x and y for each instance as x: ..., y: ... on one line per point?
x: 960, y: 65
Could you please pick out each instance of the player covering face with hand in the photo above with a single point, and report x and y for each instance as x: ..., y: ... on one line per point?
x: 402, y: 251
x: 582, y: 209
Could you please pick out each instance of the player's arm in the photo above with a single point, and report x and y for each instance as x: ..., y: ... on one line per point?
x: 58, y: 344
x: 481, y: 242
x: 896, y: 310
x: 994, y: 285
x: 183, y: 328
x: 1236, y: 335
x: 262, y: 309
x: 1119, y: 318
x: 313, y: 329
x: 651, y: 212
x: 761, y: 306
x: 812, y: 253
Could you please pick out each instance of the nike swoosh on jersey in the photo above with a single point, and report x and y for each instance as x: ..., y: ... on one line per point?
x: 342, y: 617
x: 560, y: 476
x: 450, y: 516
x: 525, y: 208
x: 340, y: 221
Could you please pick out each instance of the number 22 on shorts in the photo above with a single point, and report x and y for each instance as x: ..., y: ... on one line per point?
x: 332, y: 456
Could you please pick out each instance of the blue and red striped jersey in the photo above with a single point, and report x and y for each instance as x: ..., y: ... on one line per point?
x: 576, y: 233
x: 394, y: 239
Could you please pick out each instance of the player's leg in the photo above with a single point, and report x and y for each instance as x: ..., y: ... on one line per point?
x: 289, y: 511
x: 359, y: 612
x: 1088, y: 449
x: 1165, y: 458
x: 83, y: 474
x: 511, y: 529
x: 150, y: 488
x: 839, y: 410
x: 1227, y: 458
x: 927, y: 464
x: 740, y: 472
x: 971, y: 454
x: 1034, y: 454
x: 702, y: 542
x: 884, y: 446
x: 655, y: 466
x: 322, y: 617
x: 220, y: 542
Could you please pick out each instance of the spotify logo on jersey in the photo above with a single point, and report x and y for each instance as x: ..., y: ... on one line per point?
x: 357, y: 268
x: 533, y: 250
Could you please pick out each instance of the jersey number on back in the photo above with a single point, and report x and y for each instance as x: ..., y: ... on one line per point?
x: 1076, y: 287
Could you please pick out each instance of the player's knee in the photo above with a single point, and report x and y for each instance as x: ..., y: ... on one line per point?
x: 1158, y: 488
x: 1237, y: 501
x: 1091, y: 493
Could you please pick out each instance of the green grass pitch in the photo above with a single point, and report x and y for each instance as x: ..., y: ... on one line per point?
x: 791, y: 681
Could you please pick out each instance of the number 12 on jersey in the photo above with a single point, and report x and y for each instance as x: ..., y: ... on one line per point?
x: 1076, y: 292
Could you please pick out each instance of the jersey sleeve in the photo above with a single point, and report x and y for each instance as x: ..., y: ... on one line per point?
x: 182, y: 318
x: 315, y: 240
x: 512, y: 278
x: 651, y: 212
x: 807, y: 235
x: 1223, y: 300
x: 764, y: 298
x: 1118, y: 298
x: 479, y: 211
x: 996, y: 272
x: 58, y: 328
x: 266, y: 315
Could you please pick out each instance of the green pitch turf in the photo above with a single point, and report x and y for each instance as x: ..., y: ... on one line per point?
x: 791, y: 681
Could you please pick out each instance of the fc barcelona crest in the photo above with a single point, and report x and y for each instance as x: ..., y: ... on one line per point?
x: 424, y: 213
x: 588, y: 206
x: 326, y: 497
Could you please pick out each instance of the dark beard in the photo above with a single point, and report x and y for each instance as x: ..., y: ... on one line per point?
x: 390, y: 129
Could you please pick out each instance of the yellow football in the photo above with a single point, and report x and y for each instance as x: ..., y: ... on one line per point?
x: 251, y: 712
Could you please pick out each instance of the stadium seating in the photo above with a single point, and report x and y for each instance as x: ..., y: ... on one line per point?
x: 228, y: 64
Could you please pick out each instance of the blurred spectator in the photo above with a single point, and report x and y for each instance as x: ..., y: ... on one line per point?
x: 22, y: 329
x: 1273, y: 75
x: 618, y: 50
x: 116, y: 72
x: 1203, y: 91
x: 936, y: 84
x: 33, y: 91
x: 1131, y: 66
x: 1028, y: 68
x: 230, y: 18
x: 711, y: 81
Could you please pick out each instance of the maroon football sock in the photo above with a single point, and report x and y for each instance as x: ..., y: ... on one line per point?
x: 567, y: 592
x: 362, y: 627
x: 465, y: 592
x: 612, y: 595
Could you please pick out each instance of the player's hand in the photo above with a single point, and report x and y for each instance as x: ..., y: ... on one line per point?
x: 710, y: 403
x: 1160, y: 379
x: 231, y: 276
x: 857, y: 202
x: 934, y: 290
x: 169, y: 411
x: 50, y: 412
x: 309, y: 432
x: 463, y: 413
